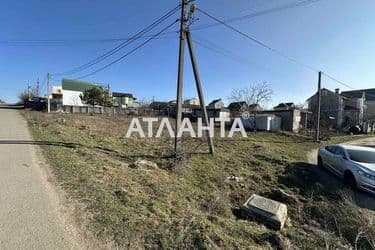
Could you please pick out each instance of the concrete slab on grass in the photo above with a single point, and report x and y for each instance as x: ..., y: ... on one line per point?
x: 271, y: 213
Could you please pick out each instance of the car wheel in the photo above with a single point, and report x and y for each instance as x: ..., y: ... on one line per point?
x: 350, y: 180
x: 320, y: 162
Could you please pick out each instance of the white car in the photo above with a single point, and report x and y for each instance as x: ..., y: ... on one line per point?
x: 355, y: 164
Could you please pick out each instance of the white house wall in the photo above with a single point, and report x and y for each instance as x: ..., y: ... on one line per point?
x: 72, y: 98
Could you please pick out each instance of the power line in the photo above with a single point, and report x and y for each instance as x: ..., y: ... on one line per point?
x: 259, y: 42
x: 345, y: 84
x: 275, y: 50
x: 129, y: 53
x: 44, y: 43
x: 259, y: 13
x: 122, y: 45
x: 224, y: 52
x: 338, y: 81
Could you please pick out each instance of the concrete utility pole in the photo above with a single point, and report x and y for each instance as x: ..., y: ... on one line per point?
x: 319, y: 100
x: 37, y: 87
x: 199, y: 88
x: 28, y: 91
x: 48, y: 94
x: 180, y: 77
x: 186, y: 35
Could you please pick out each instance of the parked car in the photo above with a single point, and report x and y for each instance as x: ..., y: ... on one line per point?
x: 355, y: 164
x: 355, y: 130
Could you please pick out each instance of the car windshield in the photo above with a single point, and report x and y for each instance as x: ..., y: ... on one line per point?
x: 362, y: 156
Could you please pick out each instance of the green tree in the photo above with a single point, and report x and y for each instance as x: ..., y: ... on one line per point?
x: 107, y: 98
x: 93, y: 96
x: 97, y: 96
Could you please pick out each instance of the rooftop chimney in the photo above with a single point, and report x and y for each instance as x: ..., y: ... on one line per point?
x: 337, y: 91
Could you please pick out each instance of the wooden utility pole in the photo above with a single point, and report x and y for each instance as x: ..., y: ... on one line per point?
x: 186, y: 35
x: 48, y: 94
x: 319, y: 100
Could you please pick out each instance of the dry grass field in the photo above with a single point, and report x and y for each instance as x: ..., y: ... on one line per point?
x: 193, y: 202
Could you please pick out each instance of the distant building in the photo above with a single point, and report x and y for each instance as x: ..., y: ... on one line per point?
x: 368, y: 98
x: 216, y: 104
x: 123, y: 100
x: 238, y: 107
x: 71, y: 91
x: 211, y: 113
x: 192, y: 101
x: 285, y: 106
x: 254, y: 107
x: 338, y: 110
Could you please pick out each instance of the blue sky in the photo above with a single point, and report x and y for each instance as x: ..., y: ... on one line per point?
x: 336, y: 36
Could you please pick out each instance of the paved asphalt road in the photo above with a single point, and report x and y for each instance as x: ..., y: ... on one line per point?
x: 361, y: 198
x: 30, y: 214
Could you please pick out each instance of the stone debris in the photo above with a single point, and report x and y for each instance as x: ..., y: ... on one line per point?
x: 234, y: 178
x: 145, y: 164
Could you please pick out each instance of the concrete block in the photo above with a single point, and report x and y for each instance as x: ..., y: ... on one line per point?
x: 267, y: 211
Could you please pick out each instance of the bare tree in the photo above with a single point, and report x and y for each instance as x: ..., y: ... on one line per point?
x: 256, y: 94
x: 143, y: 102
x: 260, y: 93
x: 25, y: 97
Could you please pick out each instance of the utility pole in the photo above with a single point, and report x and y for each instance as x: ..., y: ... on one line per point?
x: 199, y: 88
x: 319, y: 100
x: 28, y: 91
x: 48, y: 94
x: 180, y: 77
x: 186, y: 35
x: 37, y: 87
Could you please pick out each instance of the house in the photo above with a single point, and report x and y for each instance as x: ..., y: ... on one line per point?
x: 211, y: 113
x: 70, y: 92
x: 254, y: 107
x: 215, y: 109
x: 192, y: 101
x: 238, y: 107
x: 123, y: 100
x: 337, y: 110
x: 285, y: 106
x: 162, y: 108
x: 368, y: 97
x: 216, y: 104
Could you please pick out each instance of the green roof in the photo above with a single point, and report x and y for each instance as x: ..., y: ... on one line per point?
x: 74, y: 85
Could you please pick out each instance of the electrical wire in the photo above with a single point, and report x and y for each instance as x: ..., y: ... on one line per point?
x: 122, y: 45
x: 224, y: 52
x: 129, y: 53
x: 75, y: 42
x: 346, y: 85
x: 46, y: 42
x: 275, y: 50
x: 259, y: 13
x: 253, y: 39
